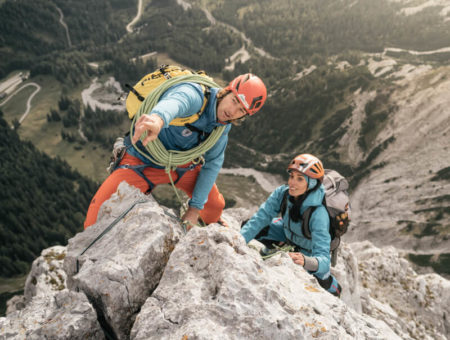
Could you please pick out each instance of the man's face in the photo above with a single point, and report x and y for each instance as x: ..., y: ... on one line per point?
x: 230, y: 108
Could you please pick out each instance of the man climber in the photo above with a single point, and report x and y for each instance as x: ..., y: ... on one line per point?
x: 245, y: 95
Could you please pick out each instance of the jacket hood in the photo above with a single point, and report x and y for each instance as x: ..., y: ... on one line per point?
x: 312, y: 182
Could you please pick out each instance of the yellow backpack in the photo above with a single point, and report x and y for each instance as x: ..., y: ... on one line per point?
x: 152, y: 80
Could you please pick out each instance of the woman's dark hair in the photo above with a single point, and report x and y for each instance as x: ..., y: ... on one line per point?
x: 294, y: 212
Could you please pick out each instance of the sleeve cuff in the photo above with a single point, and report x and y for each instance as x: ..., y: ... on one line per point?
x: 311, y: 263
x: 197, y: 206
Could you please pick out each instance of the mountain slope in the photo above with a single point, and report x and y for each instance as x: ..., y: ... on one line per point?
x: 404, y: 199
x: 363, y: 114
x: 42, y: 202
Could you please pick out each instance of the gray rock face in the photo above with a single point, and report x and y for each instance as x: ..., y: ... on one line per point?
x: 403, y: 193
x: 215, y: 287
x: 47, y: 274
x: 145, y: 279
x: 346, y: 272
x: 64, y: 316
x: 46, y: 277
x: 419, y: 304
x: 120, y: 271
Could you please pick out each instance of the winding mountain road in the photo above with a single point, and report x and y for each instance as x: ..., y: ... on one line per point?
x: 242, y: 54
x: 393, y: 49
x: 27, y: 111
x: 136, y: 18
x: 246, y: 39
x: 63, y: 23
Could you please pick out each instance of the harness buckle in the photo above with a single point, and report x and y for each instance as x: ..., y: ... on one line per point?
x: 117, y: 154
x: 200, y: 160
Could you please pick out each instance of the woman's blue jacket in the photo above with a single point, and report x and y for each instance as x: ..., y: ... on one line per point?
x: 283, y: 229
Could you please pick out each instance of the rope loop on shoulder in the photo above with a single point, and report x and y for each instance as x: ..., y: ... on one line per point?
x: 157, y: 153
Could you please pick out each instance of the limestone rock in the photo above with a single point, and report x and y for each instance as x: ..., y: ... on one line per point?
x: 145, y: 279
x: 64, y: 316
x: 417, y: 304
x: 215, y: 287
x: 17, y: 302
x: 346, y: 272
x: 46, y: 277
x: 120, y: 270
x: 47, y: 274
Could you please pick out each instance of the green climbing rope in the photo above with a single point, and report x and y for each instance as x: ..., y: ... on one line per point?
x: 157, y: 153
x: 287, y: 248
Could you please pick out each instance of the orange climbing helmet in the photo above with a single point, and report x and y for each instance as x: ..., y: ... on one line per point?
x: 250, y: 91
x: 308, y: 165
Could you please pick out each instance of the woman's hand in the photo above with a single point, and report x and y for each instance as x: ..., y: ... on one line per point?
x: 152, y: 124
x: 297, y: 258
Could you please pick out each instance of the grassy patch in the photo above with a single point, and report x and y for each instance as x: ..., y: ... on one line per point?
x: 90, y: 159
x: 443, y: 174
x: 33, y: 128
x: 12, y: 284
x: 423, y: 229
x: 17, y: 104
x: 440, y: 263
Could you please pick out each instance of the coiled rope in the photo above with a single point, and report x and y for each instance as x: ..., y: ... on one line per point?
x: 157, y: 153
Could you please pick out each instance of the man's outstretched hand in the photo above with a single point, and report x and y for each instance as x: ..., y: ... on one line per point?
x: 152, y: 124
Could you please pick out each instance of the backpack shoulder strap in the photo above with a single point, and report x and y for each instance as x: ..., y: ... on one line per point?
x: 183, y: 121
x: 306, y: 216
x: 306, y: 230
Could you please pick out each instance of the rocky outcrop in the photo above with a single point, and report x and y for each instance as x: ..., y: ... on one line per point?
x: 48, y: 310
x: 66, y: 315
x: 392, y: 291
x: 121, y: 270
x: 46, y: 277
x: 403, y: 200
x: 215, y: 287
x: 145, y: 279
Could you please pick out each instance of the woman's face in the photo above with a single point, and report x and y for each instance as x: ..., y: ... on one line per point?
x: 297, y: 183
x: 230, y: 108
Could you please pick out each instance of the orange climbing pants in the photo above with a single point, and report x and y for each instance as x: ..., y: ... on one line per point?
x: 210, y: 213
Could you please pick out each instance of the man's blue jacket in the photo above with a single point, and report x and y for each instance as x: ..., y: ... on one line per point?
x: 184, y: 100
